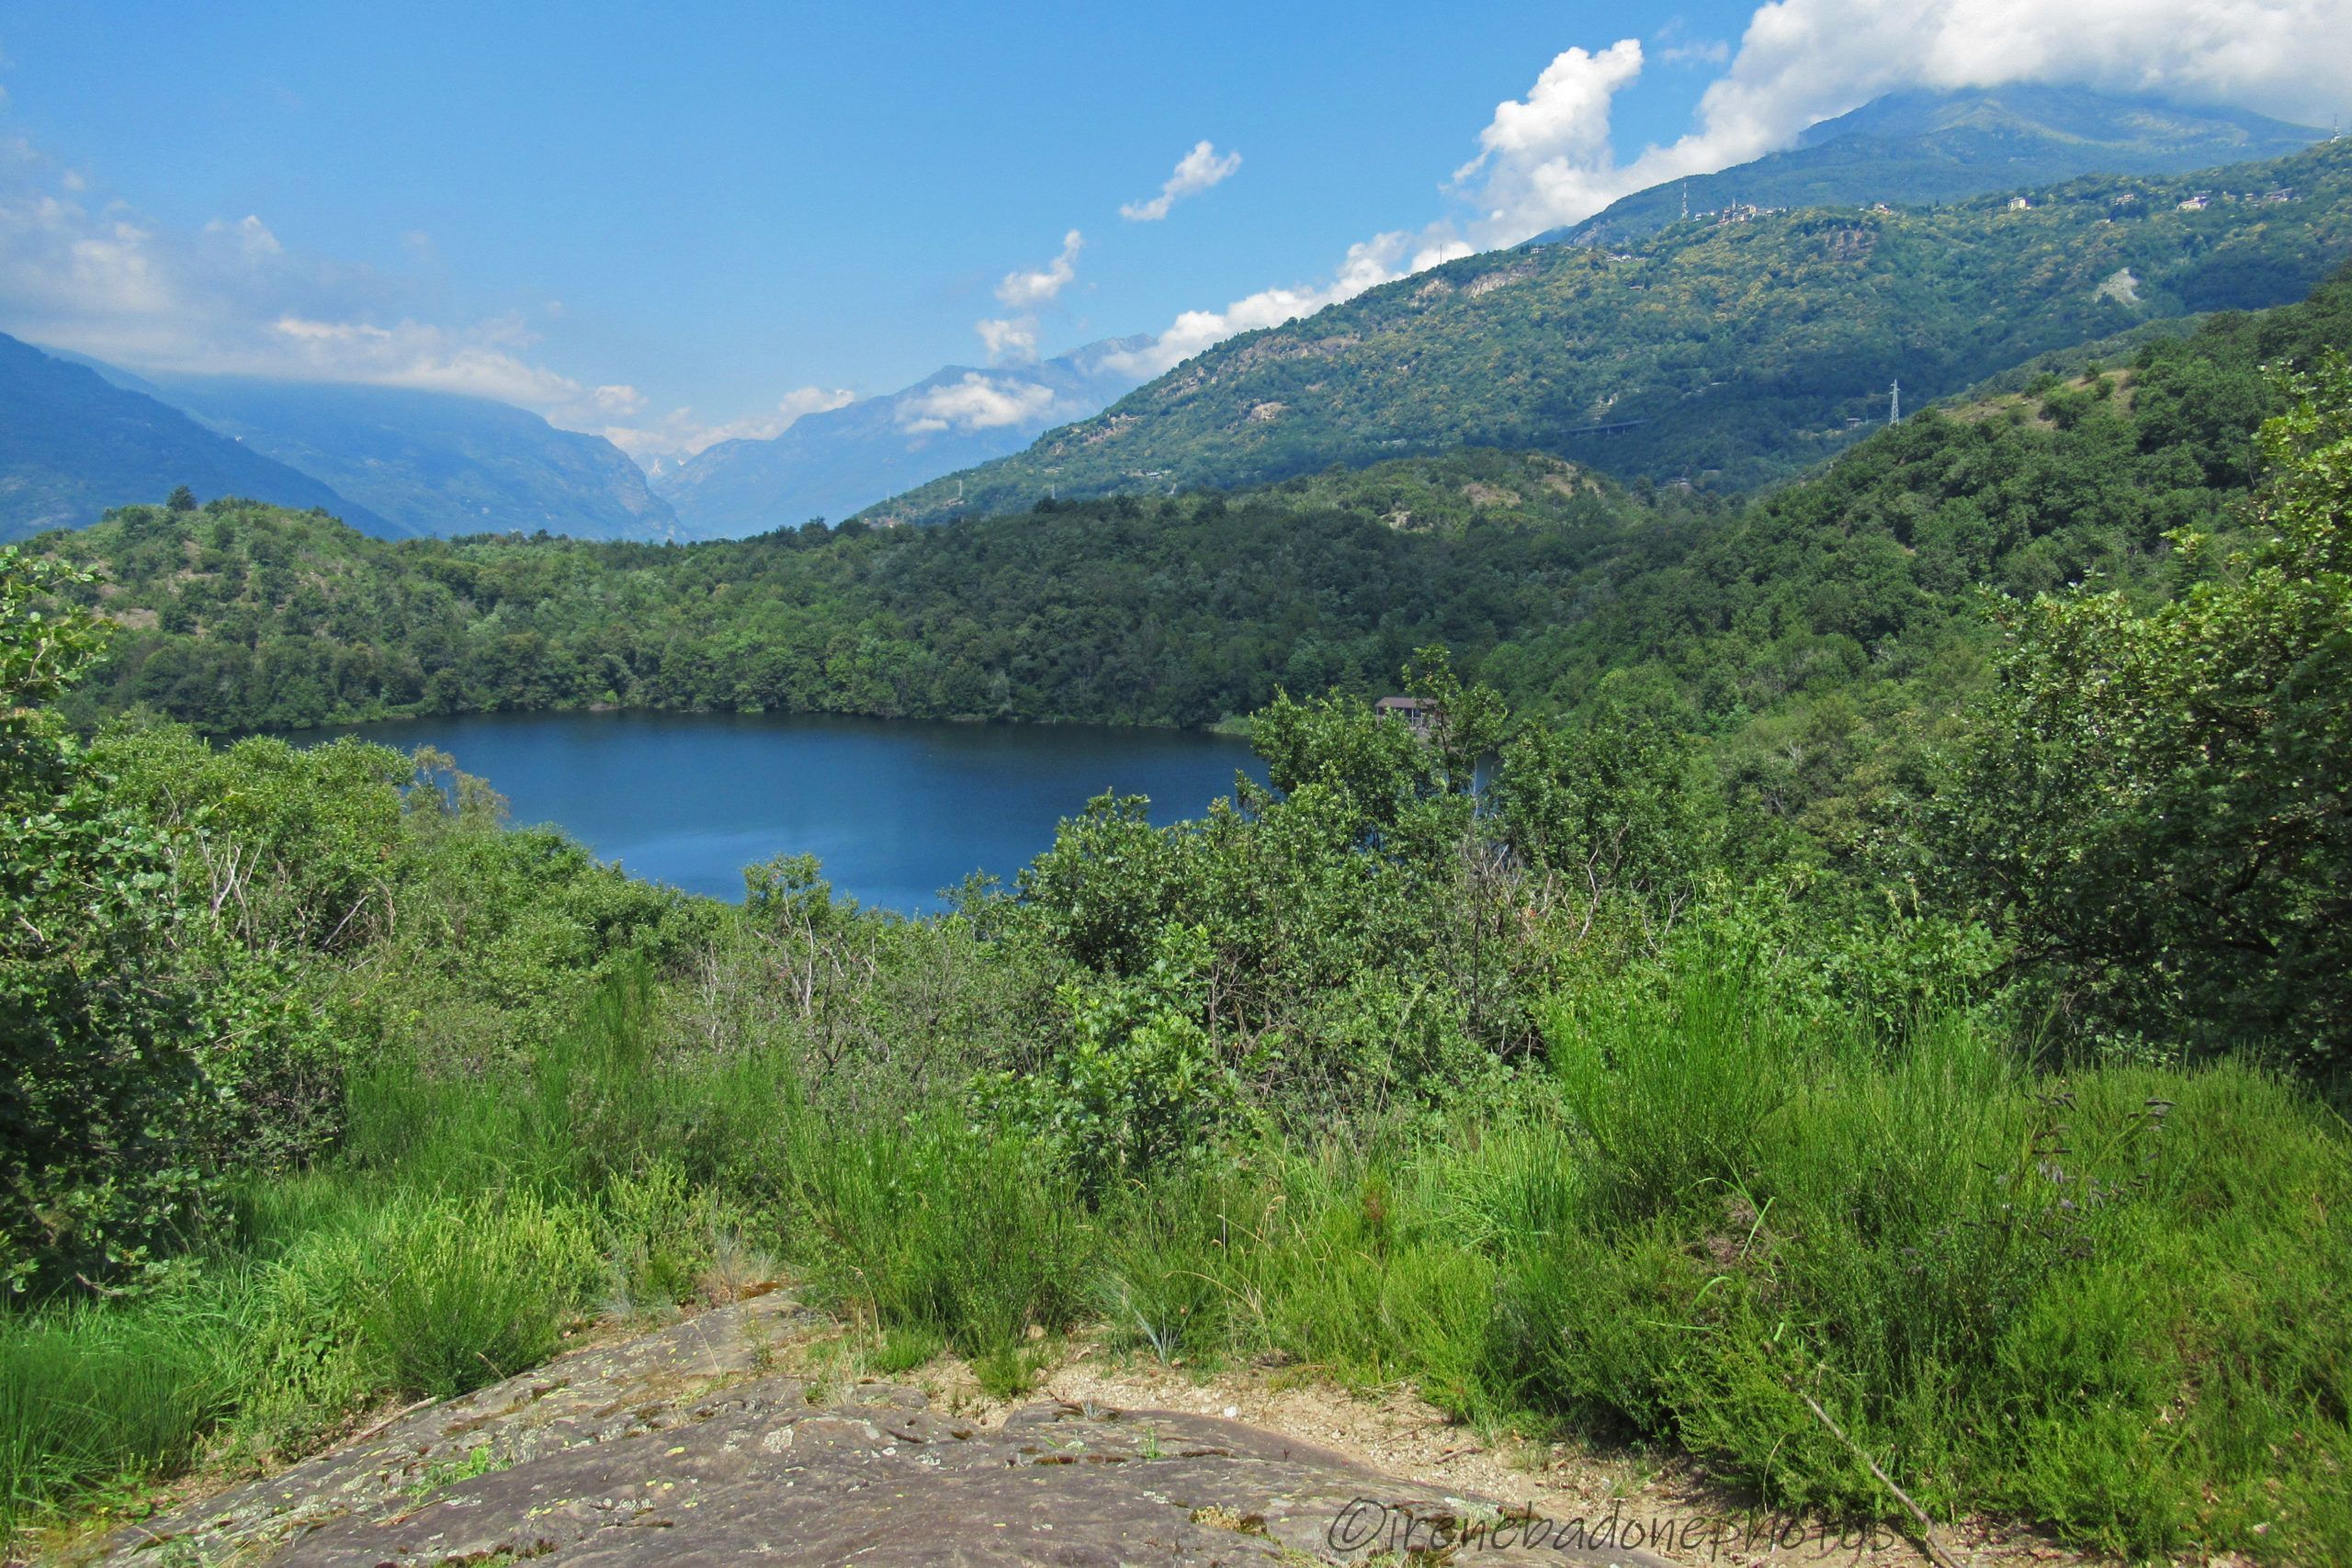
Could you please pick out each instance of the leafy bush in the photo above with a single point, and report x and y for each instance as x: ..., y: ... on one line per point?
x: 1139, y: 1086
x: 2155, y: 800
x: 105, y: 1110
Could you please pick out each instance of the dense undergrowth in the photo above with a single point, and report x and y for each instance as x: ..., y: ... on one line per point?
x: 2104, y: 1299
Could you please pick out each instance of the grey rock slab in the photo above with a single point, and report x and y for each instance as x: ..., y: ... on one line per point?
x: 681, y: 1449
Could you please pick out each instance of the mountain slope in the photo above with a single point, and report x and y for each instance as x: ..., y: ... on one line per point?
x: 832, y: 464
x: 1916, y: 149
x: 72, y: 445
x: 434, y: 463
x: 1728, y: 353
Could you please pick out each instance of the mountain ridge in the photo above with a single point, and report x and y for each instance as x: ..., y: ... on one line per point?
x: 74, y: 445
x: 435, y: 463
x: 1726, y: 353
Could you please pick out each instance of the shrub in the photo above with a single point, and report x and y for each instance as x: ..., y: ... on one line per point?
x: 106, y: 1111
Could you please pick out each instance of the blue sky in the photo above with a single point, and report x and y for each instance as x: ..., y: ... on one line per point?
x: 615, y: 212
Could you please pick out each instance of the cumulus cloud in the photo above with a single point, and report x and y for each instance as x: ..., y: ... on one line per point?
x: 979, y: 401
x: 679, y: 434
x: 1549, y: 152
x: 1195, y: 172
x: 1026, y: 290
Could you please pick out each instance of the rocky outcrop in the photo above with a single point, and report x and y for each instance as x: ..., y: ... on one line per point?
x: 688, y: 1446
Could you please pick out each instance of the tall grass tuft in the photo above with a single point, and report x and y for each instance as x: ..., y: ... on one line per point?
x: 931, y: 1225
x: 473, y: 1292
x: 90, y: 1397
x: 2043, y: 1294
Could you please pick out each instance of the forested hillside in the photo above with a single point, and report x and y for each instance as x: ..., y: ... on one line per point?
x: 1723, y: 353
x: 1169, y: 612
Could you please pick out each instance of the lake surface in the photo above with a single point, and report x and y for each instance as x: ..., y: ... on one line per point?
x: 896, y: 810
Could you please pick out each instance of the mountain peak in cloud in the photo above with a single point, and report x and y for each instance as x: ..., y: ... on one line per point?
x: 1923, y: 145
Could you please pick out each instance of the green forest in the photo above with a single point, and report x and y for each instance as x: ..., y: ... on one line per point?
x: 1855, y: 987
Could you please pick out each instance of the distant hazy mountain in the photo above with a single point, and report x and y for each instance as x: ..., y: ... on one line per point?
x: 432, y: 462
x: 1917, y: 148
x: 831, y: 465
x: 73, y: 445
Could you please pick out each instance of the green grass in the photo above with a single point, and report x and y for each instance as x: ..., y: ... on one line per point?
x: 2109, y: 1300
x: 929, y: 1224
x: 904, y: 1351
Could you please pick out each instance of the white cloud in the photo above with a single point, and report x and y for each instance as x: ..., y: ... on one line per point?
x: 977, y: 402
x: 1566, y: 112
x: 1384, y: 259
x: 1010, y: 341
x: 1195, y: 172
x: 1549, y: 152
x: 1026, y: 290
x: 679, y: 434
x: 1013, y: 340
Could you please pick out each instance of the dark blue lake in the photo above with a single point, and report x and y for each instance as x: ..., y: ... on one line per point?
x: 896, y: 810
